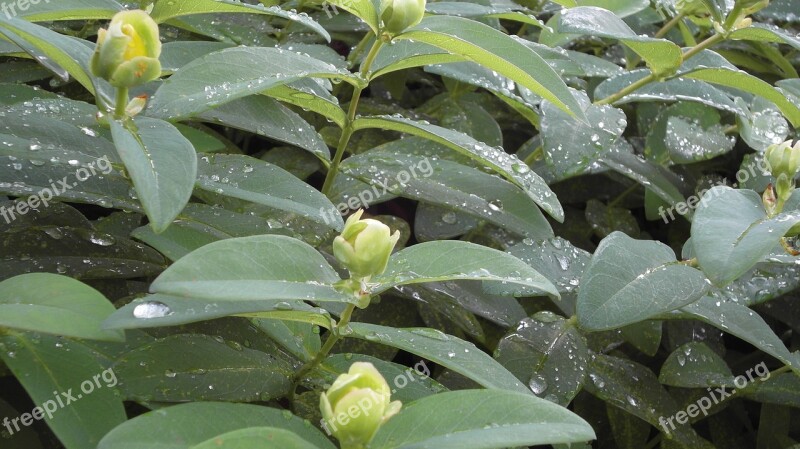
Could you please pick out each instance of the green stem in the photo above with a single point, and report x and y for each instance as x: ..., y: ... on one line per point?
x: 347, y: 130
x: 122, y: 102
x: 715, y: 39
x: 653, y: 77
x: 623, y: 195
x: 669, y: 25
x: 627, y: 90
x: 330, y: 342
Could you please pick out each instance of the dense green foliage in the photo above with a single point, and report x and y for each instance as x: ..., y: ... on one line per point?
x: 591, y: 205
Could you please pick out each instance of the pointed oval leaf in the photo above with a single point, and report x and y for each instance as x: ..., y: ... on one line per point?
x: 631, y: 280
x: 481, y: 419
x: 449, y: 260
x: 509, y: 166
x: 177, y: 427
x: 162, y: 164
x: 498, y: 51
x: 261, y: 437
x: 266, y: 267
x: 233, y: 73
x: 54, y: 304
x: 731, y: 232
x: 254, y: 180
x: 165, y: 10
x: 451, y: 352
x: 53, y: 369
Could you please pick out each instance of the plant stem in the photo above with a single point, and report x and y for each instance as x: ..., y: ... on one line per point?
x: 653, y: 77
x: 669, y: 25
x: 631, y: 88
x: 624, y: 195
x: 330, y: 342
x: 122, y: 102
x: 703, y: 45
x: 347, y: 130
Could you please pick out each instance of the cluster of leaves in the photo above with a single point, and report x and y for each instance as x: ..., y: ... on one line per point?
x: 568, y: 144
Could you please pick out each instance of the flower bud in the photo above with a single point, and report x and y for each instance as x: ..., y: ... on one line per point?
x: 783, y: 159
x: 356, y: 405
x: 364, y: 246
x: 127, y: 52
x: 398, y: 15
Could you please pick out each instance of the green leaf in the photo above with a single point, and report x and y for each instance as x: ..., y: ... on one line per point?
x: 443, y: 260
x: 570, y: 146
x: 78, y: 252
x: 741, y: 80
x: 165, y: 10
x: 268, y: 268
x: 200, y: 368
x: 657, y: 179
x: 61, y: 54
x: 676, y: 89
x: 557, y: 259
x: 547, y: 352
x: 162, y: 164
x: 636, y: 390
x: 308, y: 94
x: 731, y: 232
x: 233, y: 73
x: 363, y: 9
x: 695, y: 365
x: 302, y: 340
x: 451, y: 352
x: 742, y: 322
x: 46, y: 10
x: 284, y: 125
x: 55, y: 369
x: 261, y: 437
x: 177, y: 427
x: 163, y: 310
x: 762, y: 32
x: 55, y: 304
x: 495, y: 50
x: 632, y: 280
x: 685, y: 133
x: 480, y: 419
x: 446, y: 184
x: 250, y: 179
x: 509, y: 166
x: 404, y: 54
x: 661, y: 55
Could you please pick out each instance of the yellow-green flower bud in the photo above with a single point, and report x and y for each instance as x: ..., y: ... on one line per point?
x: 127, y: 52
x: 364, y: 246
x: 783, y: 159
x: 356, y: 405
x: 398, y: 15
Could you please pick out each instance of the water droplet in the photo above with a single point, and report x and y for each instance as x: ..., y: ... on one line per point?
x: 151, y: 309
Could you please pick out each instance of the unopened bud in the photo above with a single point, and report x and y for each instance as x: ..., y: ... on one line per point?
x: 364, y: 246
x: 357, y: 404
x: 127, y: 52
x: 399, y: 15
